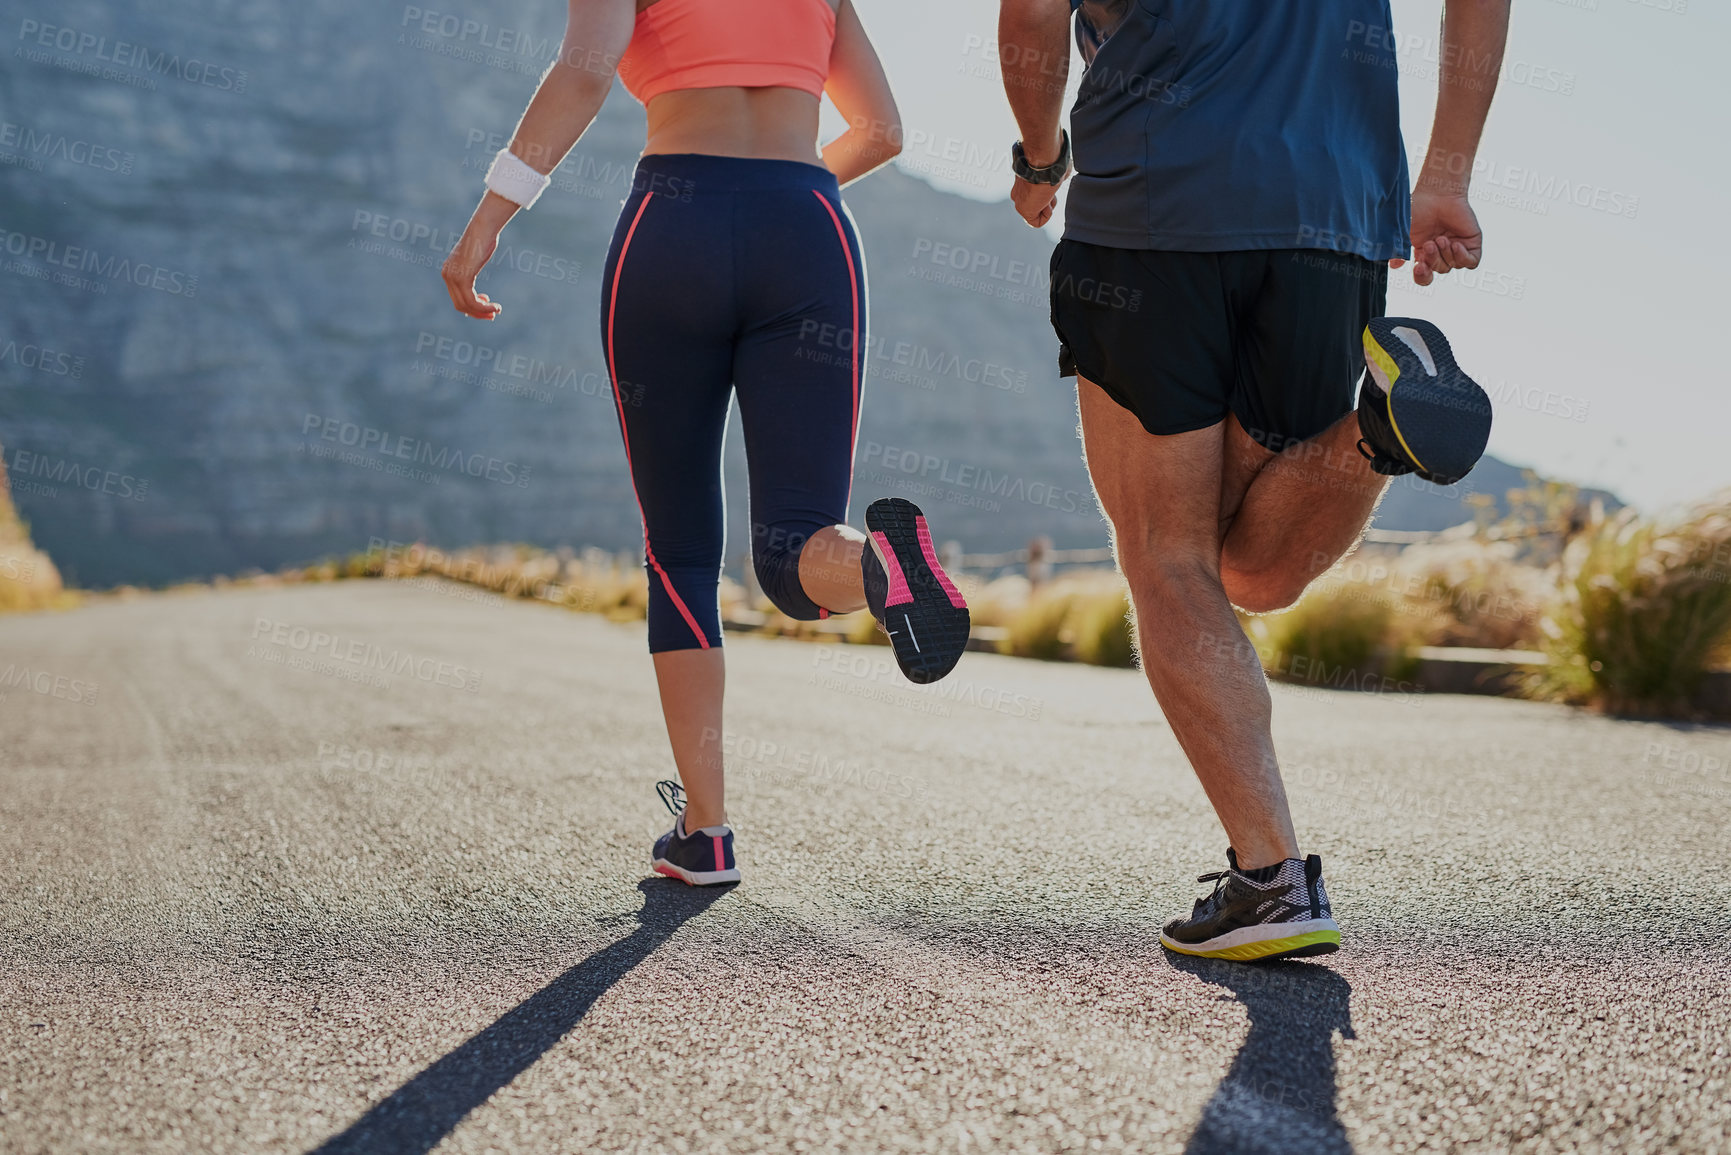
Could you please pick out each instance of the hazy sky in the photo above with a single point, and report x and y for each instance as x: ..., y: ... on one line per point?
x: 1596, y: 320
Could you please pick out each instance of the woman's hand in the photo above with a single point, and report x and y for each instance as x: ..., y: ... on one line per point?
x: 465, y: 263
x: 597, y: 33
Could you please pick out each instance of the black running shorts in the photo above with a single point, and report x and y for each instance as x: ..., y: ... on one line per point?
x: 1272, y: 336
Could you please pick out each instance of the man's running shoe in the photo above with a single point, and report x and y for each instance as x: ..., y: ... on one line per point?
x: 1418, y: 413
x: 908, y: 592
x: 703, y: 858
x: 1279, y: 911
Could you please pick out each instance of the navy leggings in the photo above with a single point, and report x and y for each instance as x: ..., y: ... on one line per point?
x: 733, y: 275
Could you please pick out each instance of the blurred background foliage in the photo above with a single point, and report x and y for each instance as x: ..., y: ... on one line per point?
x: 1619, y: 612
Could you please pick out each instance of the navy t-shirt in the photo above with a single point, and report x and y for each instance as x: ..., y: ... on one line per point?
x: 1215, y: 125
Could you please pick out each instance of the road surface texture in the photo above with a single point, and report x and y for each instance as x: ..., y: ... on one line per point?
x: 364, y: 867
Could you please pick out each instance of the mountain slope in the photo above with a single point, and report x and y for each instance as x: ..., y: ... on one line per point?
x: 289, y: 380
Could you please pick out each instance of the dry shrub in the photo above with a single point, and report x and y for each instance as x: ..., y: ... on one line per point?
x: 1337, y: 629
x: 1102, y: 629
x: 995, y: 602
x: 1643, y: 614
x: 863, y: 630
x: 28, y: 580
x: 1470, y: 592
x: 597, y: 582
x: 1082, y: 616
x: 1037, y: 630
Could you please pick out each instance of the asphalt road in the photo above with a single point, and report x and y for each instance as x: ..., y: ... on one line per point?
x: 259, y: 894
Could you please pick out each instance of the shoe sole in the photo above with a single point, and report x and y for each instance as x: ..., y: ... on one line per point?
x: 1441, y: 418
x: 929, y: 632
x: 696, y: 877
x: 1264, y: 943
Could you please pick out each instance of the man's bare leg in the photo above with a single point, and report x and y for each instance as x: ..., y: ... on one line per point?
x: 1162, y: 495
x: 1286, y: 518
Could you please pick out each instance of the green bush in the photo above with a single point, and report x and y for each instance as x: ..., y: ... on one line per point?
x: 1644, y: 612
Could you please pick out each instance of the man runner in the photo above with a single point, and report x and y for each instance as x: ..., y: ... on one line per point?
x: 1241, y: 192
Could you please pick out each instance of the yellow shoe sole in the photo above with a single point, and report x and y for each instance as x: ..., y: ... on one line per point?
x: 1295, y: 946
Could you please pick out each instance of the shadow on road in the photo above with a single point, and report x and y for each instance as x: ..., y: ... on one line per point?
x: 424, y: 1110
x: 1278, y: 1095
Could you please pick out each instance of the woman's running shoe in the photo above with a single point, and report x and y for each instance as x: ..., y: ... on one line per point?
x: 702, y: 858
x: 1277, y: 912
x: 1418, y: 413
x: 908, y: 592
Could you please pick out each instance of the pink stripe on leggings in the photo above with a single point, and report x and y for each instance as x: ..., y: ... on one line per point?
x: 854, y: 352
x: 648, y: 550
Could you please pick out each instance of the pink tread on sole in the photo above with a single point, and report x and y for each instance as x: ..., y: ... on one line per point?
x: 925, y: 533
x: 898, y: 592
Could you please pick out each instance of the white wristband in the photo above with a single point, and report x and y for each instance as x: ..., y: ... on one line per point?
x: 514, y: 180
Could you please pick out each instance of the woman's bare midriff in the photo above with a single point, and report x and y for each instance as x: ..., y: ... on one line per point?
x: 759, y: 123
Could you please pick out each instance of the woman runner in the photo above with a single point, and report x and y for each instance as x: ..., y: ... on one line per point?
x: 735, y: 269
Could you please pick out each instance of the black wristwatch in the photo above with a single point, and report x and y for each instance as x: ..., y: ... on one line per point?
x: 1053, y: 173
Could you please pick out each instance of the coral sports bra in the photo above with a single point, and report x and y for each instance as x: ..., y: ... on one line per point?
x: 729, y: 44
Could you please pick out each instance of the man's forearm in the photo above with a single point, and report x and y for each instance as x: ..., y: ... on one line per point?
x: 1474, y: 33
x: 1034, y: 56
